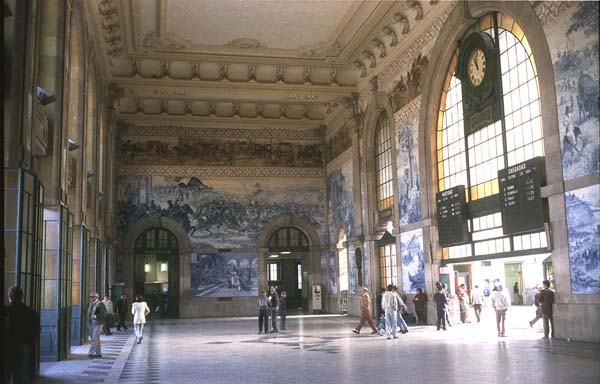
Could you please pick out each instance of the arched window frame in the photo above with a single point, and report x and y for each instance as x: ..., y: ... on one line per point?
x: 384, y: 180
x: 473, y: 161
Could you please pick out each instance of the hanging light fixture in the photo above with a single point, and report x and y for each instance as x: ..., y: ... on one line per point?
x: 146, y: 267
x: 163, y: 267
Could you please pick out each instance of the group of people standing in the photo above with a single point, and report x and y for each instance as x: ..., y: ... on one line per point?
x: 100, y: 316
x: 271, y: 305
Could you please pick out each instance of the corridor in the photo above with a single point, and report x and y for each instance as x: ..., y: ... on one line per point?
x: 321, y: 349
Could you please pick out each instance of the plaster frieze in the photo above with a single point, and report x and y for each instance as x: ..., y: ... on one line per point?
x: 216, y: 122
x: 388, y: 78
x: 340, y: 160
x: 109, y: 23
x: 338, y: 121
x: 407, y: 112
x: 275, y: 134
x: 195, y: 171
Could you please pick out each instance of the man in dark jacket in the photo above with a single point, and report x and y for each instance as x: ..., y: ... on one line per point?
x: 274, y: 304
x: 22, y: 327
x: 96, y: 318
x: 122, y: 309
x: 546, y: 302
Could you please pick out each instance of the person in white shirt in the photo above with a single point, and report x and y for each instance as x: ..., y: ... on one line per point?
x: 501, y: 302
x: 109, y: 314
x: 389, y: 304
x: 477, y: 301
x: 139, y: 309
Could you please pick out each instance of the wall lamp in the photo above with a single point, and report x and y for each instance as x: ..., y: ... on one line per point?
x: 72, y: 145
x: 44, y: 96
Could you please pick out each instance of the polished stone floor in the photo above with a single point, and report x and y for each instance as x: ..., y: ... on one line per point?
x: 322, y: 349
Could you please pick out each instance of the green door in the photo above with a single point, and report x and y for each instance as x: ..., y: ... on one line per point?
x: 156, y: 271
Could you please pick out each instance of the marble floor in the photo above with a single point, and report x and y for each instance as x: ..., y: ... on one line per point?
x: 322, y: 349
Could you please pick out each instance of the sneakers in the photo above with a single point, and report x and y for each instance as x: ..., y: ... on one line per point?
x: 356, y: 331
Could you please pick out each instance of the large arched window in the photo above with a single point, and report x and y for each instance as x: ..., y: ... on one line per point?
x: 474, y: 160
x: 383, y: 163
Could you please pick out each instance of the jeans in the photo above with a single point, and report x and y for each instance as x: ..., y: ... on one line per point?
x: 441, y: 319
x: 95, y: 330
x: 390, y: 322
x: 274, y: 320
x: 477, y: 308
x: 263, y: 318
x: 138, y: 330
x: 401, y: 322
x: 500, y: 318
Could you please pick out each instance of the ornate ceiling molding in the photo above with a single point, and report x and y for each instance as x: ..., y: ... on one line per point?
x: 200, y: 171
x: 307, y: 136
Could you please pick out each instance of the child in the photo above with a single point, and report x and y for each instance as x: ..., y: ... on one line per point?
x: 263, y: 312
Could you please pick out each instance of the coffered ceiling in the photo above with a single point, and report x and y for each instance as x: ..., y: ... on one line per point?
x: 208, y: 61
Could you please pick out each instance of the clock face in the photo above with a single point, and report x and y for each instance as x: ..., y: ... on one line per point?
x: 476, y: 67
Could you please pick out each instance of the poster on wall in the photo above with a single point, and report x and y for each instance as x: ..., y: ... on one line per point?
x: 413, y: 265
x: 583, y: 228
x: 224, y: 274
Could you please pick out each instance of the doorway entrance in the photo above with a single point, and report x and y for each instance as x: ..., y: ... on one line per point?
x: 156, y: 271
x: 286, y: 265
x: 514, y: 282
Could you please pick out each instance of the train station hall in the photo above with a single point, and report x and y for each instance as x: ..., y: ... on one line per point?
x: 301, y: 191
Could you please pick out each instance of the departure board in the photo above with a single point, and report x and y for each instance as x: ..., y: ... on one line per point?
x: 521, y: 200
x: 452, y: 218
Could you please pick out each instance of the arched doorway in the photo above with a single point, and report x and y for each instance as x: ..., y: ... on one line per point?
x: 287, y: 265
x: 156, y: 270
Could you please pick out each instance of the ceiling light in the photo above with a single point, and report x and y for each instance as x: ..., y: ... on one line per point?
x: 163, y: 267
x: 273, y: 256
x: 285, y: 252
x: 146, y: 267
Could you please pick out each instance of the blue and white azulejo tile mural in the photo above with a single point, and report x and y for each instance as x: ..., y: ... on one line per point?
x: 219, y: 212
x: 413, y: 263
x: 407, y: 157
x: 224, y: 274
x: 583, y: 221
x: 576, y: 67
x: 341, y: 202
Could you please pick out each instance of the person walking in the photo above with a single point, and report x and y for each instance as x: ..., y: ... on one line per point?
x: 441, y: 306
x: 108, y: 304
x: 401, y: 307
x: 365, y: 310
x: 22, y: 327
x: 501, y: 303
x: 477, y: 301
x: 538, y: 307
x: 517, y: 294
x: 462, y: 301
x: 122, y: 307
x: 139, y: 310
x: 274, y: 308
x: 263, y: 312
x: 96, y: 317
x: 420, y: 302
x: 546, y: 302
x: 282, y: 310
x: 449, y: 304
x: 389, y: 304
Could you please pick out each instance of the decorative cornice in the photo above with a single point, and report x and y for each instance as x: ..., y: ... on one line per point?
x: 407, y: 112
x: 340, y: 120
x: 339, y: 161
x: 108, y: 10
x: 277, y: 134
x: 546, y: 11
x: 388, y: 78
x: 190, y: 171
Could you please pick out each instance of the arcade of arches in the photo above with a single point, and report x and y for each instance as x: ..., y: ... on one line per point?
x: 148, y: 149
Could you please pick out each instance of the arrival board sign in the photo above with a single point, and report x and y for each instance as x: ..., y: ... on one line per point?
x: 520, y: 196
x: 452, y: 216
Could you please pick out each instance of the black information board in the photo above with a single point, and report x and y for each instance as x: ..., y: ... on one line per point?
x: 521, y: 198
x: 452, y: 218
